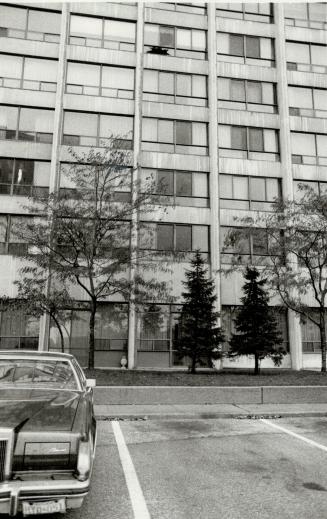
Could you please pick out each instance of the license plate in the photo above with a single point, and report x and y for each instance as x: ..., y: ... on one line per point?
x: 44, y: 507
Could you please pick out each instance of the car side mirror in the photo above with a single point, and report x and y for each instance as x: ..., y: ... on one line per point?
x: 91, y: 382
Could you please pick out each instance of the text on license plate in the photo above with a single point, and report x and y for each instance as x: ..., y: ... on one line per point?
x: 45, y: 507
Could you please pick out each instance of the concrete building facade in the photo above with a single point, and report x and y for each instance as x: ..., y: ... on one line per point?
x: 227, y: 107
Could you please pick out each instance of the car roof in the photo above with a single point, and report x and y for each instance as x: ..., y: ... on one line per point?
x: 36, y: 354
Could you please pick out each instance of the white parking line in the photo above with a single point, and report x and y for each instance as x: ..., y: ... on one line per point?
x: 295, y: 435
x: 139, y: 506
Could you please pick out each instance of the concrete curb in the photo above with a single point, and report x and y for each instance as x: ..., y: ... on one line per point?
x: 206, y: 416
x: 187, y: 395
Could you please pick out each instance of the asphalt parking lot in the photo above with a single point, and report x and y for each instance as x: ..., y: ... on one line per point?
x: 218, y: 468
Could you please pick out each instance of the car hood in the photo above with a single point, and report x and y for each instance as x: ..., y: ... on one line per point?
x: 38, y: 409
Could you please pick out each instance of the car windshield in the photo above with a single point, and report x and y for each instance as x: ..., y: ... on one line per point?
x: 34, y: 373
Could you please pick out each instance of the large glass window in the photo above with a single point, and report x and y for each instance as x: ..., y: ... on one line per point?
x: 174, y: 136
x: 24, y: 177
x: 102, y: 32
x: 251, y: 143
x: 26, y: 124
x: 257, y: 12
x: 307, y: 102
x: 174, y: 237
x: 306, y: 57
x: 187, y: 188
x: 313, y: 15
x: 309, y: 148
x: 253, y: 246
x: 31, y: 24
x: 170, y: 87
x: 243, y: 192
x: 90, y: 129
x: 18, y: 330
x: 98, y: 80
x: 175, y: 41
x: 11, y: 241
x: 252, y: 50
x: 28, y: 73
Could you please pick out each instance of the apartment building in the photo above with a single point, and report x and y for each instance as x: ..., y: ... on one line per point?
x: 226, y: 105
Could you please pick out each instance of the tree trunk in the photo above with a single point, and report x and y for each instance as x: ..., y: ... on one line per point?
x: 62, y: 341
x: 323, y: 339
x: 91, y: 334
x: 256, y: 364
x: 193, y: 365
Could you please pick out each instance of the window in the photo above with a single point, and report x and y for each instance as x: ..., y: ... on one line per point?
x: 313, y: 15
x: 306, y: 57
x: 317, y: 186
x: 102, y: 32
x: 111, y: 327
x: 28, y: 73
x: 251, y: 143
x: 239, y: 48
x: 307, y: 102
x: 168, y: 87
x: 175, y: 41
x: 18, y: 330
x: 26, y: 124
x: 174, y: 136
x: 16, y: 22
x: 309, y: 148
x: 242, y: 94
x: 195, y: 8
x: 252, y: 246
x: 252, y: 11
x: 174, y: 237
x: 186, y: 188
x: 90, y: 129
x: 24, y: 177
x: 229, y: 314
x: 241, y: 192
x: 11, y: 241
x: 98, y: 80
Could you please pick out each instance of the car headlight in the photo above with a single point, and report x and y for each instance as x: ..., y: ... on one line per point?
x: 84, y: 460
x: 46, y: 455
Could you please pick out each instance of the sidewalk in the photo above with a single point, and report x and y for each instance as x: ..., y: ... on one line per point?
x: 207, y: 411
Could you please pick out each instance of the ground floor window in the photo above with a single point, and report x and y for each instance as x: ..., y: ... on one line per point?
x: 18, y: 330
x: 311, y: 334
x: 111, y: 334
x: 228, y: 316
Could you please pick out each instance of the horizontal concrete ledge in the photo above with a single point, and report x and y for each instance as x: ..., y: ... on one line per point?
x: 147, y: 395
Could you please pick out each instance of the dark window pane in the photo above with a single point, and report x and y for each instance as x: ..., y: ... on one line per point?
x: 237, y: 90
x: 165, y: 238
x: 257, y: 189
x: 165, y: 182
x: 183, y: 133
x: 255, y: 139
x: 6, y: 167
x: 183, y: 237
x: 183, y: 184
x: 260, y: 242
x: 166, y: 37
x: 252, y: 47
x: 238, y: 138
x: 254, y: 92
x: 236, y: 45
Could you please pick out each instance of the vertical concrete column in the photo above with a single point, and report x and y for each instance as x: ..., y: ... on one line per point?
x: 132, y: 353
x: 213, y: 150
x: 55, y: 152
x: 294, y: 327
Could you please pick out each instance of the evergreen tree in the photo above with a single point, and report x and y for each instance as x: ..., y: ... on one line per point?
x: 199, y: 336
x: 256, y: 326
